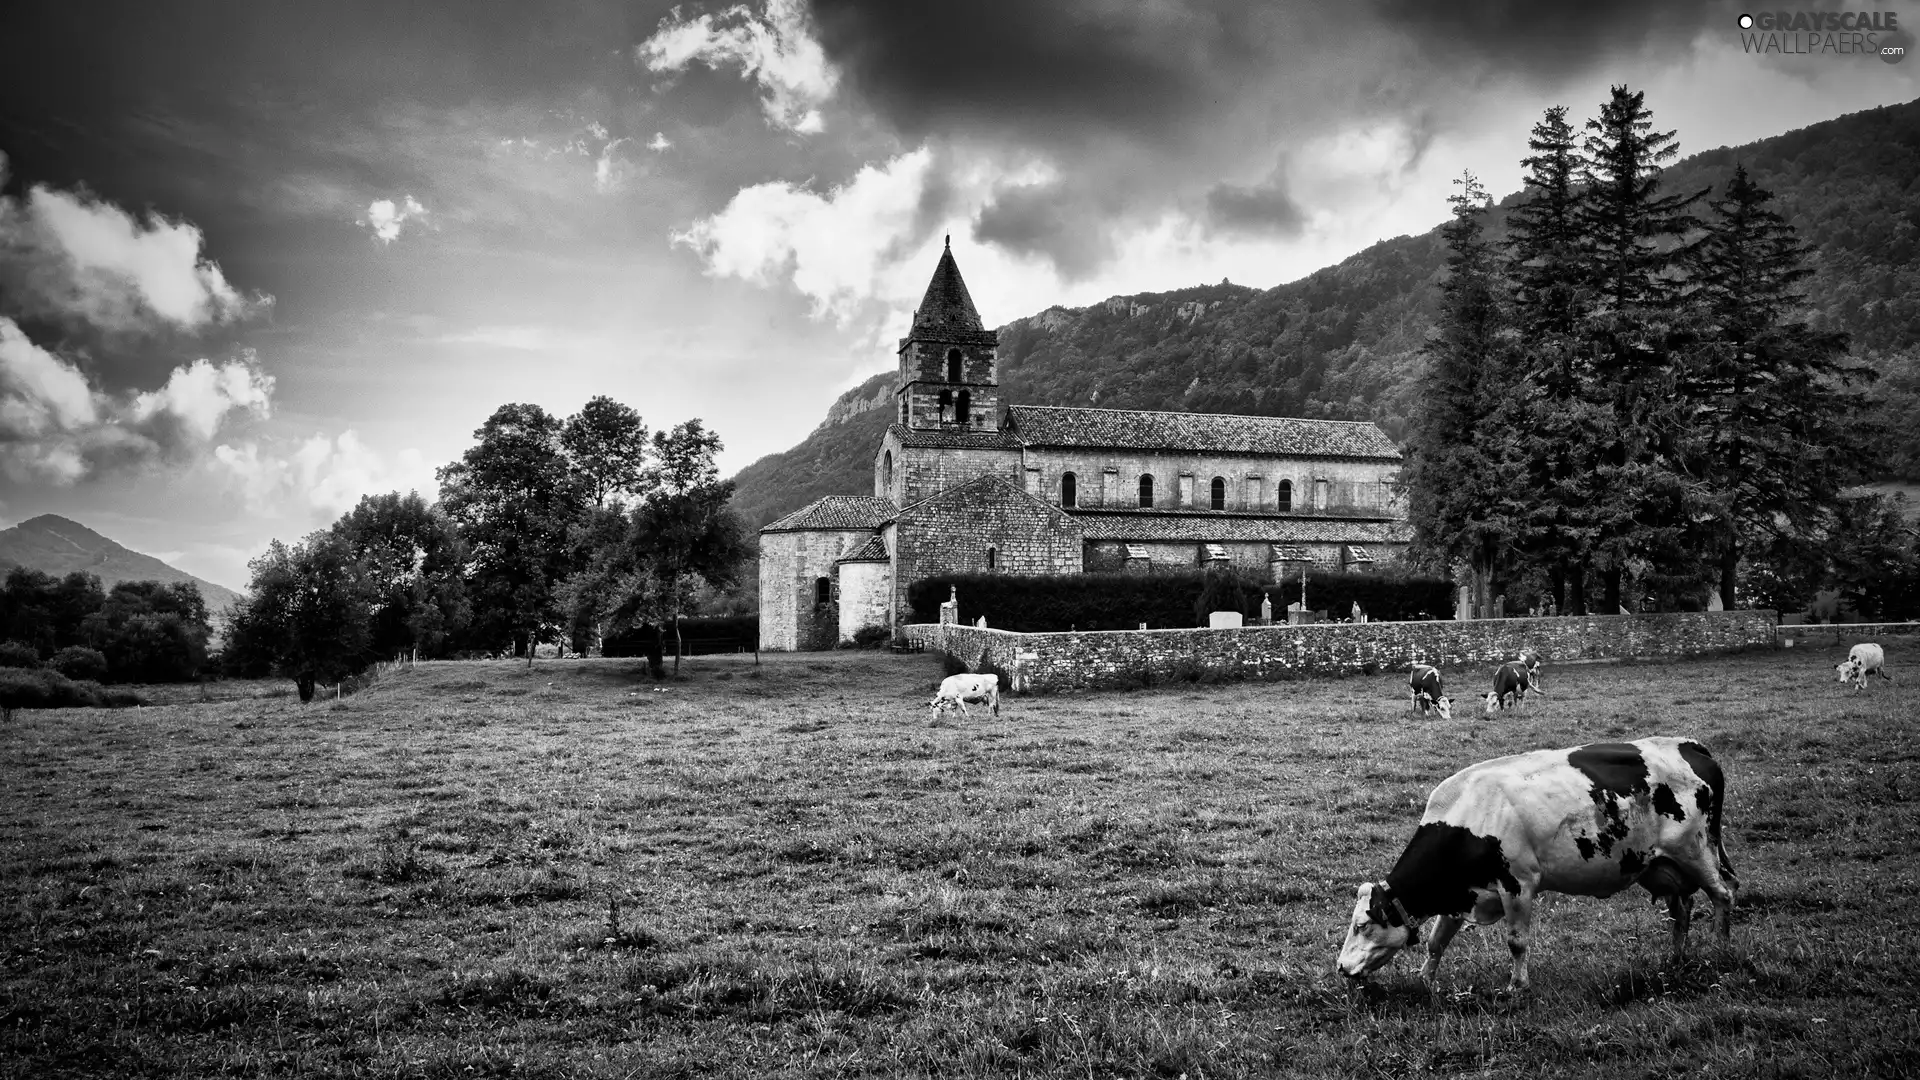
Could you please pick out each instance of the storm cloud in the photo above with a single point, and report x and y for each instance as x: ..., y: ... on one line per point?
x: 1185, y: 106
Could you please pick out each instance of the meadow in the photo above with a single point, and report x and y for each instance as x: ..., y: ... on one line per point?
x: 792, y: 869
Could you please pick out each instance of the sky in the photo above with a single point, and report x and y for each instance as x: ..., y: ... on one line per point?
x: 258, y: 260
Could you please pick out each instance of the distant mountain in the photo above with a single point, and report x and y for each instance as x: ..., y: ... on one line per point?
x: 57, y: 546
x: 1343, y: 342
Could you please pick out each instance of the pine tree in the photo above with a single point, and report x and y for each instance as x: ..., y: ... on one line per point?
x: 1638, y: 502
x: 1551, y: 424
x: 1778, y: 437
x: 1461, y: 470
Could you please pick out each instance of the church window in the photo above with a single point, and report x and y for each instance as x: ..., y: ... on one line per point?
x: 953, y: 365
x: 1069, y: 490
x: 993, y: 556
x: 1146, y: 490
x: 963, y: 412
x: 946, y: 405
x: 886, y: 471
x: 823, y: 591
x: 1285, y: 494
x: 1219, y: 493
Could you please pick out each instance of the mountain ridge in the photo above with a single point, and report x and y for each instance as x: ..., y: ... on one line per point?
x: 59, y: 546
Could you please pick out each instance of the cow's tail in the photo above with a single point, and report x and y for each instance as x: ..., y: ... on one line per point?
x: 1716, y: 781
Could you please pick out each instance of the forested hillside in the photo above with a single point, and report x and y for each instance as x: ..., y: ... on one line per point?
x: 1344, y: 342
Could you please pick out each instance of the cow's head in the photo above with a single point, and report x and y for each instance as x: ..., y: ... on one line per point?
x: 939, y: 703
x: 1849, y: 669
x: 1379, y: 929
x: 1444, y: 706
x: 1493, y: 702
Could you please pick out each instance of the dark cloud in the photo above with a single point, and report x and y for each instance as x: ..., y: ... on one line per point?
x: 1187, y: 103
x: 1262, y: 208
x: 1051, y: 220
x: 1548, y: 41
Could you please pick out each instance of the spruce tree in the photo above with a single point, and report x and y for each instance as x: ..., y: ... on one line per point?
x: 1778, y: 441
x: 1461, y: 470
x: 1551, y: 423
x: 1637, y: 501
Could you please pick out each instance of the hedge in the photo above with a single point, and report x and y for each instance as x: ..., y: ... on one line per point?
x: 1112, y: 601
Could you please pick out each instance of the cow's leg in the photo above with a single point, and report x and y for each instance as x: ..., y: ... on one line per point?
x: 1680, y: 910
x: 1519, y: 910
x: 1443, y: 930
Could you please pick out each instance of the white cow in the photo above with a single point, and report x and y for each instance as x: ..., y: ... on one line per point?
x: 957, y: 690
x: 1863, y: 660
x: 1585, y: 821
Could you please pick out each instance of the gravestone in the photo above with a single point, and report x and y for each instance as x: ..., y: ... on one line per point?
x: 1224, y: 620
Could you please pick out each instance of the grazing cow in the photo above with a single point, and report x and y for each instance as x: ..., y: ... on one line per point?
x: 1425, y: 685
x: 957, y: 690
x: 1586, y: 821
x: 1511, y: 681
x: 1863, y: 660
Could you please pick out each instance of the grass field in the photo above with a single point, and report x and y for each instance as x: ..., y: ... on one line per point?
x: 481, y: 869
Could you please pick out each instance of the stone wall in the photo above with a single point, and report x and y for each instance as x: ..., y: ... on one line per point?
x: 924, y: 471
x: 1122, y: 658
x: 790, y: 565
x: 865, y: 589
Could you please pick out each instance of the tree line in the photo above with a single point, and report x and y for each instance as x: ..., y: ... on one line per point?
x: 135, y: 632
x: 1623, y: 398
x: 546, y: 531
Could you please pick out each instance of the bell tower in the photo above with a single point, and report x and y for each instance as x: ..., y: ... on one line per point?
x: 949, y: 362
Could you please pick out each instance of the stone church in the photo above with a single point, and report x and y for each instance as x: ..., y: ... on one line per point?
x: 962, y: 484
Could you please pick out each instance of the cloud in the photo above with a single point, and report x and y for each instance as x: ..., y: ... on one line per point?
x: 70, y: 256
x: 385, y: 217
x: 774, y: 48
x: 609, y: 170
x: 660, y: 142
x: 56, y: 426
x: 326, y: 475
x: 1198, y: 108
x: 838, y: 248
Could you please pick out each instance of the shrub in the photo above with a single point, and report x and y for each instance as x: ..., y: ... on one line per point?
x: 80, y: 662
x: 44, y: 688
x: 18, y: 654
x: 870, y: 637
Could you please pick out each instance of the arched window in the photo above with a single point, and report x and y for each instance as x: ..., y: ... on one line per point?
x: 1146, y: 489
x: 963, y: 412
x: 993, y: 557
x: 953, y: 365
x: 823, y: 591
x: 1285, y: 494
x: 886, y: 470
x: 1219, y: 493
x: 1069, y: 490
x: 946, y: 405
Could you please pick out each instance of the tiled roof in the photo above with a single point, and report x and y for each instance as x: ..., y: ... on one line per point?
x: 837, y: 512
x: 1221, y: 528
x: 946, y: 312
x: 874, y: 550
x: 953, y: 438
x: 1132, y: 429
x: 1356, y: 553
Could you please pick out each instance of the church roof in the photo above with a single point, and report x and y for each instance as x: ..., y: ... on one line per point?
x: 845, y: 512
x: 953, y: 438
x: 874, y: 550
x: 1138, y: 429
x: 1219, y: 529
x: 946, y: 312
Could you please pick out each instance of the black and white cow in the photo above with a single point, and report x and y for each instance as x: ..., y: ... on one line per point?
x: 1511, y: 681
x: 1424, y: 682
x: 1587, y: 821
x: 1863, y: 660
